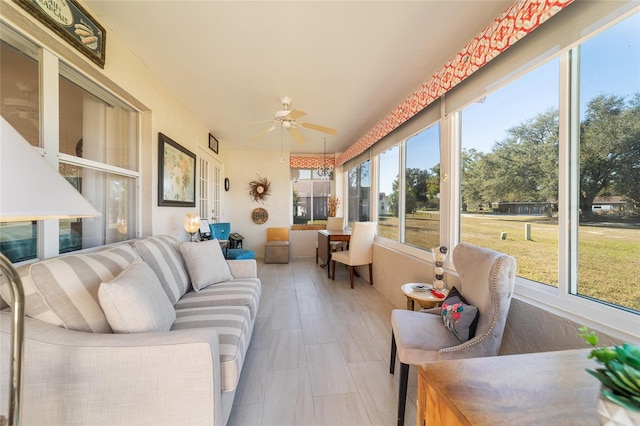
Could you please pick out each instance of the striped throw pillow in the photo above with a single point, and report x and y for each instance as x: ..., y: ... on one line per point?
x: 162, y: 253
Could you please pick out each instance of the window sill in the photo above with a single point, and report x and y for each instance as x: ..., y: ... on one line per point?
x: 308, y: 227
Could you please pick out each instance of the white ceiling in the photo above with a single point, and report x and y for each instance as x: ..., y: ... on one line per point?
x: 345, y: 63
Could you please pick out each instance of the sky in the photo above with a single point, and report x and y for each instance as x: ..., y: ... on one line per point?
x: 609, y: 64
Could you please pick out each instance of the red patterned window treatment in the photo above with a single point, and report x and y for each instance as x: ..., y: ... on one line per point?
x: 515, y: 23
x: 311, y: 162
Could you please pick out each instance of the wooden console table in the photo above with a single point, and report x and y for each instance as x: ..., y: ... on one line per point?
x: 548, y: 388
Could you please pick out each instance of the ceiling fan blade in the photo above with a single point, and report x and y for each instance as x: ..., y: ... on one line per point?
x: 296, y: 135
x: 262, y: 133
x: 294, y: 115
x: 319, y: 128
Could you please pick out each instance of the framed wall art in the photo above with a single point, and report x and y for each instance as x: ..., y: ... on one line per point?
x: 213, y: 143
x: 176, y: 174
x: 73, y: 23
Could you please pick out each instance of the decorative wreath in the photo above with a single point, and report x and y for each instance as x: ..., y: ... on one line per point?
x: 259, y: 189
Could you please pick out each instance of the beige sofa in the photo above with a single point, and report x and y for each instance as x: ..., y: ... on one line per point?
x: 148, y: 332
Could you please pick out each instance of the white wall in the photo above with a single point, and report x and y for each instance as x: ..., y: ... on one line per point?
x: 243, y: 167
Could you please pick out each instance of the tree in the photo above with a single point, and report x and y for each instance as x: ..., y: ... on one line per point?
x: 609, y: 149
x: 473, y: 187
x: 627, y: 181
x: 523, y: 167
x: 416, y: 193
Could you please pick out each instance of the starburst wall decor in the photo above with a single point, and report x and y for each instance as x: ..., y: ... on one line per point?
x: 259, y: 189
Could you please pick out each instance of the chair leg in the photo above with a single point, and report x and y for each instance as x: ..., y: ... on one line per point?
x: 371, y: 273
x: 402, y: 397
x: 351, y: 275
x: 333, y: 269
x: 316, y: 255
x: 392, y: 363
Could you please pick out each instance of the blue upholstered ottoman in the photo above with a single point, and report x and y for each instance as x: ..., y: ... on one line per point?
x: 240, y: 254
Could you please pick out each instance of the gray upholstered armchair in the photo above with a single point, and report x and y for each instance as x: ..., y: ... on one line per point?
x: 487, y: 279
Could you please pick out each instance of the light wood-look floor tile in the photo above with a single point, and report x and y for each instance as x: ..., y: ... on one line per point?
x: 287, y: 350
x: 344, y: 409
x: 251, y: 388
x: 285, y: 317
x: 245, y: 415
x: 316, y: 329
x: 328, y: 370
x: 288, y: 398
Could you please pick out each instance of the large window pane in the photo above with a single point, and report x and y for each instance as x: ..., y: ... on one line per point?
x: 509, y: 183
x: 310, y: 197
x: 388, y: 226
x: 422, y: 189
x: 609, y: 199
x: 359, y: 193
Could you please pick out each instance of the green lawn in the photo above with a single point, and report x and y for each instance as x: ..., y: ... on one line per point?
x: 608, y: 253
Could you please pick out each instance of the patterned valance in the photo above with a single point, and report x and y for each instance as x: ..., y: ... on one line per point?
x: 311, y: 162
x: 516, y: 22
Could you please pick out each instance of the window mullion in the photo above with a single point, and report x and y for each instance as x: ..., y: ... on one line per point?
x: 48, y: 231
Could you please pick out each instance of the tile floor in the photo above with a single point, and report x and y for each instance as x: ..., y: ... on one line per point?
x: 319, y: 354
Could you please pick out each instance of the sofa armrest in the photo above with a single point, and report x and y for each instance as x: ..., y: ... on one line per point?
x: 73, y: 377
x: 243, y: 268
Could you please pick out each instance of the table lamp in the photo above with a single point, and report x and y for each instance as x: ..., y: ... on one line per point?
x: 30, y: 189
x: 192, y: 224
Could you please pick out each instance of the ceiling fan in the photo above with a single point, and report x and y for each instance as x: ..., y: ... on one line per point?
x: 23, y: 107
x: 288, y: 119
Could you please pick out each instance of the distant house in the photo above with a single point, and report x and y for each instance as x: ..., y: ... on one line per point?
x: 524, y: 207
x: 612, y: 204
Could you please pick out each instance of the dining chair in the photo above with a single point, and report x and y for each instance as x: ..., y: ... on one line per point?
x: 360, y: 250
x: 336, y: 224
x: 487, y: 279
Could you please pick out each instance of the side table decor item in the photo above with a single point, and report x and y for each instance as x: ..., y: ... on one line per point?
x: 439, y: 256
x: 334, y: 202
x: 619, y: 402
x: 259, y: 189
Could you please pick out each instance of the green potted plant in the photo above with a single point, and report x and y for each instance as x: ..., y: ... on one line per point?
x: 619, y: 376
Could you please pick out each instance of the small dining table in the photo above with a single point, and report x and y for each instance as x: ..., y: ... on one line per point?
x: 325, y: 237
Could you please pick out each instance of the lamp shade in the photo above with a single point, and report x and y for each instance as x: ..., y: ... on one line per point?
x: 191, y: 222
x: 30, y: 188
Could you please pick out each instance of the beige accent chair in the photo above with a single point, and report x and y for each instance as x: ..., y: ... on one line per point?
x: 360, y: 250
x: 487, y: 280
x: 276, y: 250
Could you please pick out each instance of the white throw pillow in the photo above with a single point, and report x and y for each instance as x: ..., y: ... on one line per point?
x: 205, y: 263
x: 134, y: 301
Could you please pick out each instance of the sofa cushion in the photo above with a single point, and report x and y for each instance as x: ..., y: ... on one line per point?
x: 234, y: 327
x: 162, y: 253
x: 238, y: 292
x: 134, y: 301
x: 63, y: 291
x: 205, y: 263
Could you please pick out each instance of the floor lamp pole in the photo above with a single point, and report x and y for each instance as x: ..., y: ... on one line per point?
x: 17, y: 338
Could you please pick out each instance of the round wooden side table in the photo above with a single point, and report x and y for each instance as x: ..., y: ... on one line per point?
x: 424, y: 298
